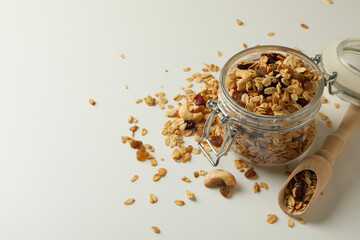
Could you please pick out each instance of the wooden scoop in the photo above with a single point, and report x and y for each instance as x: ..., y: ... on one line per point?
x: 321, y: 162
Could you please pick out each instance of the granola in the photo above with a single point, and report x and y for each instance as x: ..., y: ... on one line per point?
x: 300, y: 190
x: 273, y: 85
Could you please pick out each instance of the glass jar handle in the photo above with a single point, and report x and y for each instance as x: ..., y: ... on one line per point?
x: 216, y: 109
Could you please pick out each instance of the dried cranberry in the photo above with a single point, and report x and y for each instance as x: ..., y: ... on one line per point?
x: 189, y: 124
x: 244, y: 65
x: 198, y: 99
x: 272, y: 57
x: 302, y: 102
x: 216, y: 141
x: 299, y: 190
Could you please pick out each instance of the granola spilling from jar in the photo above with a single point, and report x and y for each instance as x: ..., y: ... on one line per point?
x: 273, y: 85
x: 300, y: 190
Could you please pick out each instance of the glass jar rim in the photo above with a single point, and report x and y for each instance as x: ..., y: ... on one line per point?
x: 225, y: 70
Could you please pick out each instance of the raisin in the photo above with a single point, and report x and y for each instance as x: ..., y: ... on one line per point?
x: 216, y: 141
x: 302, y: 102
x: 198, y: 99
x: 299, y: 190
x: 136, y: 144
x: 250, y: 173
x: 225, y: 191
x: 189, y: 124
x: 141, y: 154
x: 272, y: 57
x: 244, y: 65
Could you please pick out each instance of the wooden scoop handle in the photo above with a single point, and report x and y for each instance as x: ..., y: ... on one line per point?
x: 335, y: 143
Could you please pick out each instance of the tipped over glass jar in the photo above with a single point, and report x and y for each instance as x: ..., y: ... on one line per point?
x: 268, y: 104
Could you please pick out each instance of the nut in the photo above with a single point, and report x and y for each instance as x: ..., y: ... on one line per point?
x: 144, y: 131
x: 185, y: 114
x: 219, y: 177
x: 196, y: 174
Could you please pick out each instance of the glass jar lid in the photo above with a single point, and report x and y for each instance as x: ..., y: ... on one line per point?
x: 340, y: 61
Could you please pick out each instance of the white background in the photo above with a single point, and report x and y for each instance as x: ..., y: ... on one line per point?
x: 64, y: 172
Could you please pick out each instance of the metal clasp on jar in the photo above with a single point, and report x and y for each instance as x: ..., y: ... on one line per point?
x: 330, y: 80
x: 229, y: 138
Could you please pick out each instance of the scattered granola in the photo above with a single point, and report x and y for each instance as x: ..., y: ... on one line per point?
x: 129, y: 201
x: 290, y: 223
x: 126, y: 86
x: 329, y: 1
x: 300, y: 190
x: 134, y: 178
x: 185, y: 179
x: 155, y: 229
x: 162, y: 171
x: 189, y: 194
x: 250, y: 174
x: 150, y: 101
x: 256, y: 187
x: 239, y: 22
x: 218, y: 53
x: 166, y: 70
x: 92, y: 101
x: 196, y: 174
x: 301, y: 221
x: 304, y: 26
x: 324, y: 100
x: 122, y: 55
x: 326, y: 119
x: 130, y: 119
x: 186, y: 69
x: 153, y: 162
x: 144, y: 131
x: 202, y: 172
x: 156, y: 177
x: 152, y: 198
x: 245, y: 45
x: 138, y: 100
x: 179, y: 202
x: 271, y: 218
x: 336, y: 105
x: 270, y: 34
x: 225, y: 191
x: 264, y: 185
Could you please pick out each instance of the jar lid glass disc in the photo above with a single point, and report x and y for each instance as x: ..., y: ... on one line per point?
x: 343, y: 56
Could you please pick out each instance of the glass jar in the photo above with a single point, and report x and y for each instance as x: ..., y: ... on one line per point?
x: 257, y: 138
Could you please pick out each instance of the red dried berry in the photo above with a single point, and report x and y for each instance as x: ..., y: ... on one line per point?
x: 244, y: 65
x: 299, y: 190
x: 189, y: 124
x: 198, y: 99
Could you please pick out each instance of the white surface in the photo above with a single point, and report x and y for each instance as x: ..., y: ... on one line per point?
x: 63, y: 170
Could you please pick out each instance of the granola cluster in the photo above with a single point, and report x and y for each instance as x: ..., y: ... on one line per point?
x: 273, y: 85
x: 300, y: 190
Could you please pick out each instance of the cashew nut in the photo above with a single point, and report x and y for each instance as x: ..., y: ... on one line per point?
x: 185, y: 114
x: 219, y: 177
x: 245, y: 76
